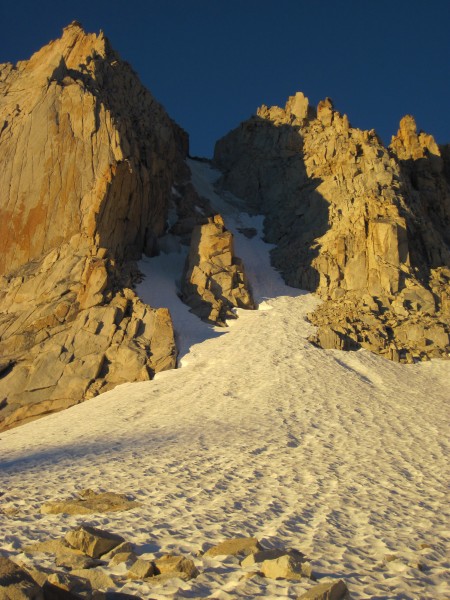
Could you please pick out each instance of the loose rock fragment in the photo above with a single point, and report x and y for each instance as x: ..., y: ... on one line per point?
x: 91, y: 541
x: 16, y: 583
x: 235, y: 547
x: 334, y: 590
x: 176, y: 564
x: 140, y: 569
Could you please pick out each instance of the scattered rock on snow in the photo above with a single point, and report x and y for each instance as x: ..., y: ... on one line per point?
x: 176, y: 564
x: 164, y: 577
x: 141, y: 569
x: 123, y: 557
x: 58, y: 547
x: 77, y: 561
x: 91, y: 541
x: 53, y: 592
x: 90, y: 502
x: 124, y: 547
x: 235, y: 547
x: 284, y: 567
x: 333, y: 590
x: 96, y: 577
x: 16, y: 583
x: 69, y: 583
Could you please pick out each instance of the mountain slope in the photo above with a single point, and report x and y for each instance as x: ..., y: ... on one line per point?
x: 340, y: 455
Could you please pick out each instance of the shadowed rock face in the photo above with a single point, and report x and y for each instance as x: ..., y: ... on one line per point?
x: 364, y: 226
x: 87, y: 162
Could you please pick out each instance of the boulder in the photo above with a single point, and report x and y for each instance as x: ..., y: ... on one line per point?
x: 96, y: 577
x: 77, y: 561
x: 123, y: 557
x: 261, y: 556
x: 165, y: 577
x: 66, y: 585
x: 214, y: 282
x: 284, y: 567
x: 58, y: 547
x: 91, y: 541
x: 124, y: 547
x: 54, y: 592
x: 16, y: 583
x: 240, y: 546
x: 140, y: 569
x: 176, y: 564
x: 333, y: 590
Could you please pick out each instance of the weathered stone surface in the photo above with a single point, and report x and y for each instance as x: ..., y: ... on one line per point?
x: 140, y: 569
x: 123, y: 557
x: 54, y: 592
x: 90, y: 502
x: 235, y: 547
x: 287, y: 566
x: 327, y: 591
x: 270, y: 558
x: 98, y: 159
x: 91, y: 541
x: 16, y: 583
x: 214, y: 281
x: 176, y: 564
x: 365, y: 227
x: 261, y: 555
x: 121, y: 548
x: 76, y: 562
x: 58, y: 547
x: 89, y: 133
x: 67, y: 582
x: 96, y: 577
x: 60, y: 354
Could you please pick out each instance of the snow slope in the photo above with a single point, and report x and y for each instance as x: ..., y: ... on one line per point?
x: 340, y: 455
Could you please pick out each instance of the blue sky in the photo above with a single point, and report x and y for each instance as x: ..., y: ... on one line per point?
x: 211, y: 63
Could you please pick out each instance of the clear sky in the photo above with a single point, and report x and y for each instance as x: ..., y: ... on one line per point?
x: 211, y: 63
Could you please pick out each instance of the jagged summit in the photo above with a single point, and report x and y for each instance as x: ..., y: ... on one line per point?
x: 90, y: 164
x: 364, y: 226
x: 88, y: 160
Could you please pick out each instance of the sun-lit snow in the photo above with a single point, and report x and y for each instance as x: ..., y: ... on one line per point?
x: 340, y: 455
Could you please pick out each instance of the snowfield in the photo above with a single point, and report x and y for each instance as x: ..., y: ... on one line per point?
x: 342, y: 456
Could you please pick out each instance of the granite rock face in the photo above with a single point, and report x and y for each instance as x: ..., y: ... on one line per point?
x: 88, y: 160
x: 364, y: 226
x: 214, y: 281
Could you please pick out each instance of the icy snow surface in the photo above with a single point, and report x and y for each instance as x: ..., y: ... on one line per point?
x: 340, y: 455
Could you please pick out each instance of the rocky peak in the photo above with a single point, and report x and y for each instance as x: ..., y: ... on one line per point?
x: 88, y: 160
x: 296, y: 110
x: 408, y: 144
x: 87, y: 132
x: 364, y: 226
